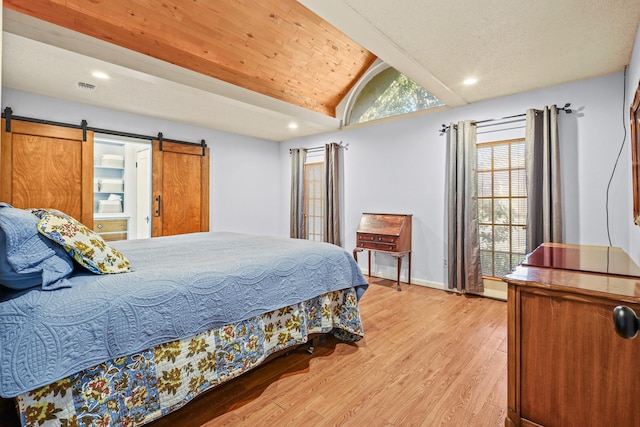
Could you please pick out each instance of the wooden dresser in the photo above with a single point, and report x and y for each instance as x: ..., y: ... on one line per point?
x: 567, y: 366
x: 389, y: 233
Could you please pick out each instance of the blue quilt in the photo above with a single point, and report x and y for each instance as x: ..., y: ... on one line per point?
x: 179, y: 286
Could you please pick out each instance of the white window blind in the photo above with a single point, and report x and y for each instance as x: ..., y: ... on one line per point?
x: 502, y: 206
x: 314, y: 200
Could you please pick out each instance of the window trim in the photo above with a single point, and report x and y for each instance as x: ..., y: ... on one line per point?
x: 343, y: 110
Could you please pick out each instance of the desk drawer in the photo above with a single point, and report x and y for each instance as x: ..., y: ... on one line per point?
x: 377, y: 246
x: 378, y: 238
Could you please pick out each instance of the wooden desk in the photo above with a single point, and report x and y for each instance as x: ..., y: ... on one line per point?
x: 390, y: 233
x: 566, y: 364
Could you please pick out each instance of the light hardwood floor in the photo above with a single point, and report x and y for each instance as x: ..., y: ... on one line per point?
x: 429, y: 358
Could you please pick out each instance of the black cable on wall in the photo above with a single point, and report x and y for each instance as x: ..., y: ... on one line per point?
x: 624, y: 127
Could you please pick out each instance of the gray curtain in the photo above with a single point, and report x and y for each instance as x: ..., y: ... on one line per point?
x: 298, y: 227
x: 465, y: 274
x: 544, y: 210
x: 332, y: 194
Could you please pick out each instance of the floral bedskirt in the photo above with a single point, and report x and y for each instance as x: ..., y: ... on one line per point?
x: 136, y: 389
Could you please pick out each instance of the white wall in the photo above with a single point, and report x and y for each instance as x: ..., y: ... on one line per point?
x: 633, y: 78
x: 399, y: 167
x: 245, y: 172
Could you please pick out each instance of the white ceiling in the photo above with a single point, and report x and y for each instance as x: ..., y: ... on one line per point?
x: 509, y: 46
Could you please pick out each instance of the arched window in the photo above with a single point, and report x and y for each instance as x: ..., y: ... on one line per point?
x: 387, y: 93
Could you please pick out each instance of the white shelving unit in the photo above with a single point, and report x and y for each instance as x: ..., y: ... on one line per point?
x: 133, y: 222
x: 112, y: 222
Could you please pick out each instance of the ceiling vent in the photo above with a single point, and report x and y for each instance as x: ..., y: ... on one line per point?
x: 86, y: 86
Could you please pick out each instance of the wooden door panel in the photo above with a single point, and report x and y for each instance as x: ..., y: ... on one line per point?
x: 180, y: 189
x: 44, y: 174
x: 48, y: 166
x: 51, y: 131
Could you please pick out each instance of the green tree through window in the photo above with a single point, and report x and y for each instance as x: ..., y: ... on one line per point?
x: 390, y: 93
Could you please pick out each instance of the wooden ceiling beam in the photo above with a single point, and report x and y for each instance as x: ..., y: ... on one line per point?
x: 274, y: 47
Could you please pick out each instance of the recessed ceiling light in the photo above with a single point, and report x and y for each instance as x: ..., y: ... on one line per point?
x: 470, y: 81
x: 100, y: 75
x: 293, y: 126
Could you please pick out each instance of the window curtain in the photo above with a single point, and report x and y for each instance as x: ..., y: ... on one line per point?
x: 544, y: 210
x: 464, y: 274
x: 332, y: 194
x: 298, y: 228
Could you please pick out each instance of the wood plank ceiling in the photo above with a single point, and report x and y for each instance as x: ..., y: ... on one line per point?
x: 274, y: 47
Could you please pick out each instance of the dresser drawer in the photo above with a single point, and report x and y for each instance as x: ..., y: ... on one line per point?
x: 110, y: 237
x: 109, y: 225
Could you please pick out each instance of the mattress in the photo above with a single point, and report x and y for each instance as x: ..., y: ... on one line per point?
x: 180, y: 286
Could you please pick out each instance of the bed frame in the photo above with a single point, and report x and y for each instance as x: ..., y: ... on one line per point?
x: 9, y: 412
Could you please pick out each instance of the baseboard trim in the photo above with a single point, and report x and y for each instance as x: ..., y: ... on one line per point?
x: 490, y: 290
x: 403, y: 280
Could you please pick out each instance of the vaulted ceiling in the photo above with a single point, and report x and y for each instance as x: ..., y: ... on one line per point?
x: 274, y: 47
x: 253, y: 66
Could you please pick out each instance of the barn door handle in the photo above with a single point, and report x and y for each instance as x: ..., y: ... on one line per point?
x: 626, y: 322
x: 159, y: 203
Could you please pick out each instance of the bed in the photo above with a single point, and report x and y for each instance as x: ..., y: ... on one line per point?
x: 191, y: 312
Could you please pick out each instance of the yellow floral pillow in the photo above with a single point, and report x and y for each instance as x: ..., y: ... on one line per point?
x: 84, y: 245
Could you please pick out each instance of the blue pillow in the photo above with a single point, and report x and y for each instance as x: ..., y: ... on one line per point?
x: 28, y: 259
x: 11, y: 279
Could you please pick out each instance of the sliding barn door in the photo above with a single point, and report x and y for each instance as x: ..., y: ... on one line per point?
x: 47, y: 166
x: 180, y: 188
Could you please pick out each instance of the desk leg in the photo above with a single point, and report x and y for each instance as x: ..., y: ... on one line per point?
x: 369, y: 263
x: 399, y: 268
x: 409, y: 272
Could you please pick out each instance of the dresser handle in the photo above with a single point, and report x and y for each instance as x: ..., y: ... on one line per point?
x: 99, y: 226
x: 626, y: 322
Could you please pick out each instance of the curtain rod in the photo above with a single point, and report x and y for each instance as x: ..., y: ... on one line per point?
x: 320, y: 148
x: 8, y: 115
x: 566, y: 109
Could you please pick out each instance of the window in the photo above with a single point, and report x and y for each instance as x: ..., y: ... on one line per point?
x: 314, y: 200
x: 502, y: 205
x: 390, y: 93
